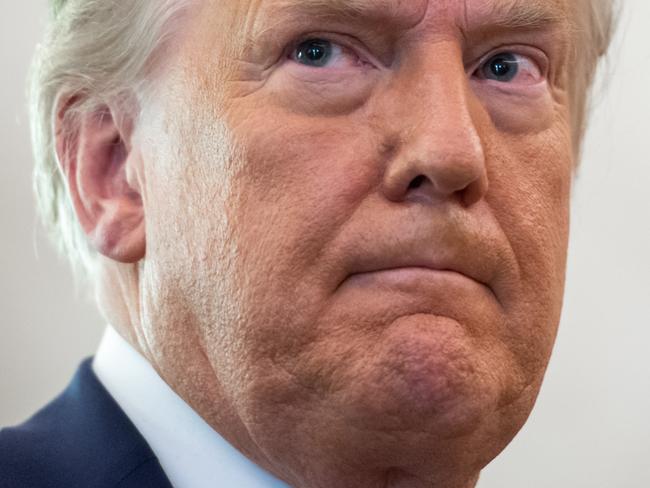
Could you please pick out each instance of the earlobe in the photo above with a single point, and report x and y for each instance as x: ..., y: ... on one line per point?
x: 95, y: 154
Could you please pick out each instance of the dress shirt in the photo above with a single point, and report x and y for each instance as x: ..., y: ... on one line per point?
x: 192, y: 454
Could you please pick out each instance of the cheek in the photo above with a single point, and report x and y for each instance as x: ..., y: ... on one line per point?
x: 530, y: 186
x: 187, y: 282
x: 529, y: 192
x: 302, y: 179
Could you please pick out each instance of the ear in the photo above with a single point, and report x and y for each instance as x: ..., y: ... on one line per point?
x: 98, y: 163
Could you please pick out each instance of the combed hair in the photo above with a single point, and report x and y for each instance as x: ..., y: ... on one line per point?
x: 98, y: 51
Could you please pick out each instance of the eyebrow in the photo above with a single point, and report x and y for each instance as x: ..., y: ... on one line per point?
x: 524, y: 14
x: 368, y: 10
x: 501, y: 14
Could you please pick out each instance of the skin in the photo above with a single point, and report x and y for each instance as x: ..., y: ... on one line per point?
x: 353, y: 273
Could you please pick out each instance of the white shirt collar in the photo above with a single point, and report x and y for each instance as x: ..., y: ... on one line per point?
x: 192, y: 454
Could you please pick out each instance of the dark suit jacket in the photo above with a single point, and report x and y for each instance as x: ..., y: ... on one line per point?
x: 81, y: 439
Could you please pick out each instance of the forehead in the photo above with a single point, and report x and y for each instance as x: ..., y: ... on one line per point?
x: 467, y: 14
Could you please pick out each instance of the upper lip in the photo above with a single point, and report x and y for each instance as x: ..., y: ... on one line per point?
x: 440, y: 247
x: 466, y: 267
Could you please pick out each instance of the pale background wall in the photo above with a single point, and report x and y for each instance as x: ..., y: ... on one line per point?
x: 591, y: 426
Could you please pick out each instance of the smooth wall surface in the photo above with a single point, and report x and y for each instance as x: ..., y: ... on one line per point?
x: 45, y: 326
x: 591, y: 425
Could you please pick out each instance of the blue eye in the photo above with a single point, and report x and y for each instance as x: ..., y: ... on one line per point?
x: 314, y: 52
x: 502, y: 67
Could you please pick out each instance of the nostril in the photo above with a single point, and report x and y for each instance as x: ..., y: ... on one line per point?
x: 417, y: 182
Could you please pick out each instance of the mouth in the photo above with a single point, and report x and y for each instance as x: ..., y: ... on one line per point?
x: 415, y: 278
x: 441, y: 256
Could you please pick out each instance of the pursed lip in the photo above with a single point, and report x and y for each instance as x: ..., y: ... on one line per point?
x: 443, y: 239
x: 470, y: 258
x: 421, y: 265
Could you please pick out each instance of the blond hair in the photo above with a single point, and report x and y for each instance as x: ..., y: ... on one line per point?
x: 595, y: 21
x: 96, y: 51
x: 99, y: 50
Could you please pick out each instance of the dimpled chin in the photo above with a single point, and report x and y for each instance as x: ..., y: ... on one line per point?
x: 425, y: 375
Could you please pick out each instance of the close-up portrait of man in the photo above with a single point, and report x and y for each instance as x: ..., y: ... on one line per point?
x: 328, y: 238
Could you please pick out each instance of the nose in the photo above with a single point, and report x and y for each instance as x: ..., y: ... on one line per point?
x: 437, y: 153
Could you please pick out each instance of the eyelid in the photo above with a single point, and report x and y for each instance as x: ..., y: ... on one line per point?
x: 346, y: 42
x: 537, y: 56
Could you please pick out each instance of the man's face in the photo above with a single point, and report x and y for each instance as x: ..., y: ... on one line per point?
x: 357, y: 218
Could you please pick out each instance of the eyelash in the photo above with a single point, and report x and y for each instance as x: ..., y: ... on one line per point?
x: 524, y: 52
x: 537, y: 60
x: 344, y: 44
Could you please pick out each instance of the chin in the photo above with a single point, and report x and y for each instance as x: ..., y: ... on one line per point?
x: 429, y: 401
x: 420, y: 395
x: 426, y: 375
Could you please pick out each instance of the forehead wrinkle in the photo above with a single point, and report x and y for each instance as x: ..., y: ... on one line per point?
x: 475, y: 14
x: 516, y: 14
x: 398, y: 12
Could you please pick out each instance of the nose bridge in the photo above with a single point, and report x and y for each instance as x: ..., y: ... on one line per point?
x: 438, y: 135
x: 436, y: 89
x: 440, y: 111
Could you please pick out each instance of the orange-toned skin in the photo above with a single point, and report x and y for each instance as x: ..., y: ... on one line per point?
x: 246, y: 216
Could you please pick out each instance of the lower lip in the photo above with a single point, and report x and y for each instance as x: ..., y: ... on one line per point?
x: 407, y: 277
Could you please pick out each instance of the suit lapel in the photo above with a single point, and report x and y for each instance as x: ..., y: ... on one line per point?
x: 82, y: 438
